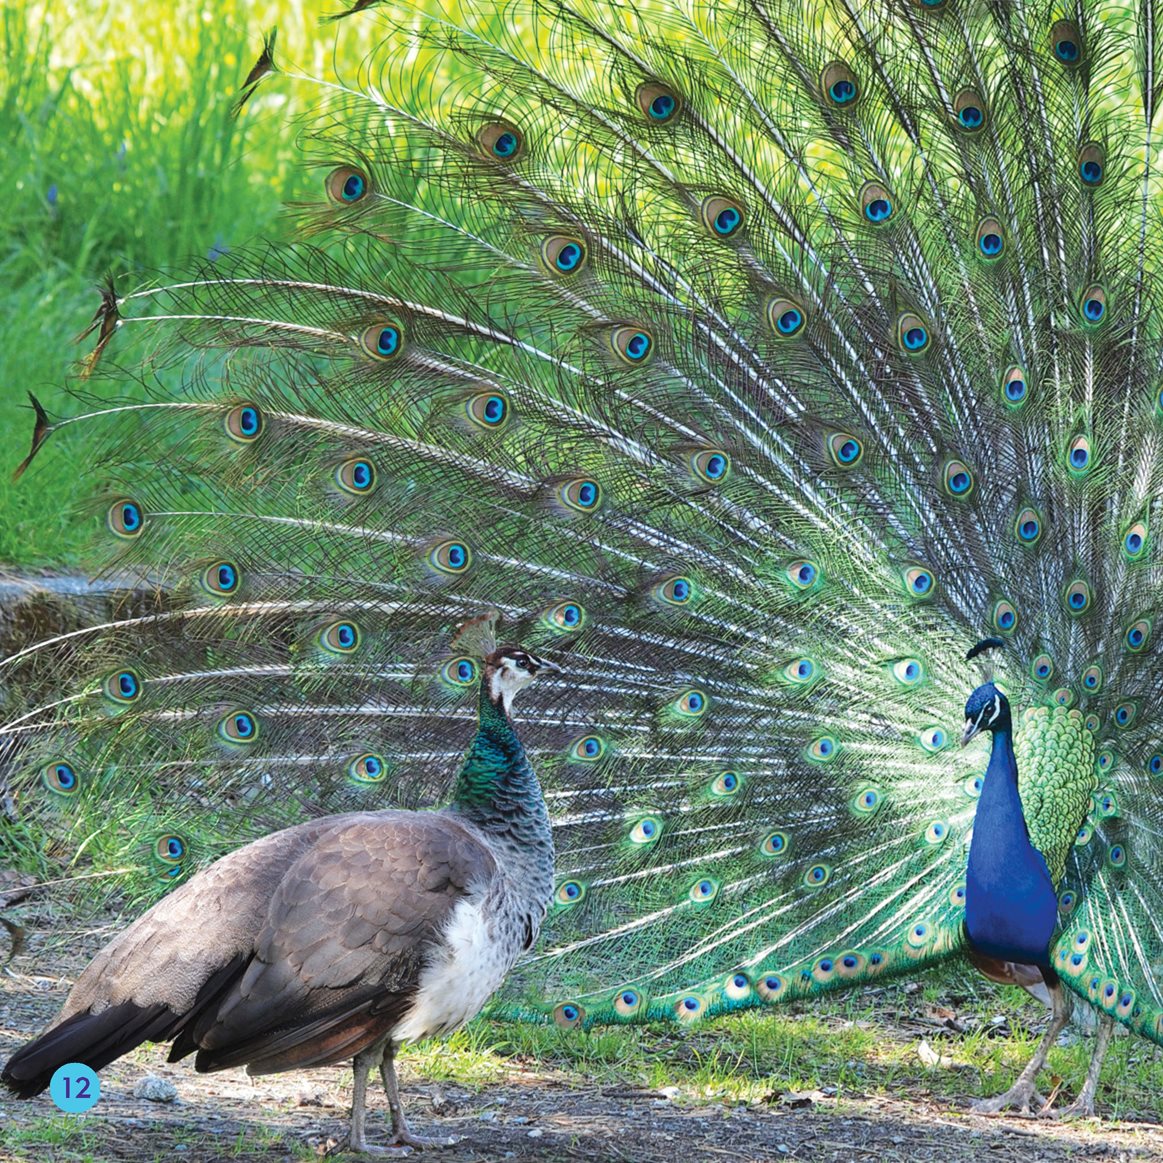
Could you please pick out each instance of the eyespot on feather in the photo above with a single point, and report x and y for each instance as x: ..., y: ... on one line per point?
x: 346, y: 185
x: 646, y: 830
x: 238, y: 727
x: 368, y: 768
x: 170, y: 848
x: 723, y: 217
x: 1092, y: 164
x: 1092, y: 305
x: 839, y: 85
x: 1004, y: 616
x: 488, y: 410
x: 125, y: 518
x: 1077, y: 597
x: 563, y: 255
x: 1028, y: 527
x: 244, y: 423
x: 1066, y: 43
x: 1078, y: 456
x: 1135, y: 541
x: 675, y: 591
x: 582, y: 495
x: 221, y: 578
x: 382, y: 341
x: 712, y: 465
x: 877, y: 206
x: 632, y: 345
x: 459, y: 672
x: 356, y: 477
x: 785, y: 317
x: 340, y: 638
x: 658, y: 102
x: 450, y: 557
x: 969, y: 111
x: 123, y: 686
x: 845, y: 450
x: 1015, y: 389
x: 60, y: 778
x: 500, y: 141
x: 567, y: 616
x: 588, y: 749
x: 991, y: 240
x: 913, y: 336
x: 957, y: 479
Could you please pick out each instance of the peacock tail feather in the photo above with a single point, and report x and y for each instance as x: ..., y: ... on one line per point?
x: 754, y: 360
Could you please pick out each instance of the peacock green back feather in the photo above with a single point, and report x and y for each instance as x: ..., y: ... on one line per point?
x: 755, y: 361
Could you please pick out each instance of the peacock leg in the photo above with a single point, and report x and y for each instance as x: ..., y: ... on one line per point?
x: 402, y: 1134
x: 1083, y: 1105
x: 357, y: 1140
x: 1019, y: 1096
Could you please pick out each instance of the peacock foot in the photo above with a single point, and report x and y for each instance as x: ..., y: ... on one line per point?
x: 1081, y: 1108
x: 1018, y: 1098
x: 358, y: 1145
x: 407, y: 1138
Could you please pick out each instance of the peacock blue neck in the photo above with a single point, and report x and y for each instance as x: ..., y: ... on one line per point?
x: 497, y: 789
x: 1010, y: 905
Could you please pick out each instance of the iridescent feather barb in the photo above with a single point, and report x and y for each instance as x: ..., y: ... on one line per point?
x: 764, y: 358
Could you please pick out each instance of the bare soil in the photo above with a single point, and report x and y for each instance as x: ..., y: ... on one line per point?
x: 535, y: 1115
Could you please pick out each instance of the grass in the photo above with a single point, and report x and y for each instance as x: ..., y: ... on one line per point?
x: 121, y: 157
x: 860, y: 1043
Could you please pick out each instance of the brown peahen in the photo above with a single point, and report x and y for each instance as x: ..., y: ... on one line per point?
x: 768, y: 358
x: 337, y: 938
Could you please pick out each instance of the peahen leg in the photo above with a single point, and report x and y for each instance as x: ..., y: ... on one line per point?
x: 357, y: 1140
x: 1083, y: 1105
x: 1019, y: 1096
x: 403, y: 1136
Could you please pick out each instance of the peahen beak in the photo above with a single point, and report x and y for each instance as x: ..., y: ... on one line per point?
x: 543, y: 664
x: 971, y: 729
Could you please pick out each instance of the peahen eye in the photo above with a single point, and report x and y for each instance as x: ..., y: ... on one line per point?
x: 722, y: 216
x: 357, y: 477
x: 659, y: 103
x: 632, y: 345
x: 785, y: 317
x: 563, y: 256
x: 346, y: 185
x: 383, y: 341
x: 244, y: 423
x: 368, y: 768
x: 500, y: 141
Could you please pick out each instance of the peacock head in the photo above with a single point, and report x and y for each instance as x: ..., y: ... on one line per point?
x: 510, y: 669
x: 987, y: 710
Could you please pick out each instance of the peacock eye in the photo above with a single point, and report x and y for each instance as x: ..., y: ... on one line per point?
x: 500, y: 141
x: 958, y: 479
x: 459, y: 672
x: 785, y: 317
x: 1005, y: 616
x: 581, y: 495
x: 912, y: 334
x: 675, y: 591
x: 1078, y: 458
x: 123, y: 686
x: 1135, y: 540
x: 1092, y: 164
x: 170, y: 848
x: 1042, y: 667
x: 238, y: 727
x: 1092, y: 678
x: 919, y: 582
x: 346, y: 185
x: 659, y: 103
x: 1077, y: 597
x: 340, y: 638
x: 1028, y: 527
x: 383, y: 341
x: 567, y: 616
x: 60, y: 777
x: 244, y: 423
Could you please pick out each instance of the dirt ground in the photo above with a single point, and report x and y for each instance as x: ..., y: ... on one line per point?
x: 534, y: 1116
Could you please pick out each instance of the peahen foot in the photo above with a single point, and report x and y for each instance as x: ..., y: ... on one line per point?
x: 1022, y: 1097
x: 402, y: 1134
x: 407, y: 1138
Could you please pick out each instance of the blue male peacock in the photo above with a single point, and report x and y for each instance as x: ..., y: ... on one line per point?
x: 765, y: 358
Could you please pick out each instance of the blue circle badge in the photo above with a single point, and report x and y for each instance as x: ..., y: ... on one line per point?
x: 75, y: 1088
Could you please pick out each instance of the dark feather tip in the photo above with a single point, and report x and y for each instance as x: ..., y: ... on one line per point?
x: 40, y: 433
x: 981, y: 647
x: 260, y: 69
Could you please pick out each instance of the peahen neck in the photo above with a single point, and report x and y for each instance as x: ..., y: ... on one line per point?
x: 498, y: 791
x: 1010, y: 904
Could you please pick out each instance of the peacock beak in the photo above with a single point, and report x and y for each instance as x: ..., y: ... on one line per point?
x: 971, y: 729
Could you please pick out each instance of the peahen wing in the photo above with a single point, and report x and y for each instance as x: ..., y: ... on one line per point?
x: 760, y: 359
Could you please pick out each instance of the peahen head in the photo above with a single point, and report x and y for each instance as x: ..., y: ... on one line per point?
x: 987, y: 709
x: 509, y: 669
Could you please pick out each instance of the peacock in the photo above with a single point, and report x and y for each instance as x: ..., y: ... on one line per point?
x: 338, y: 938
x: 789, y: 371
